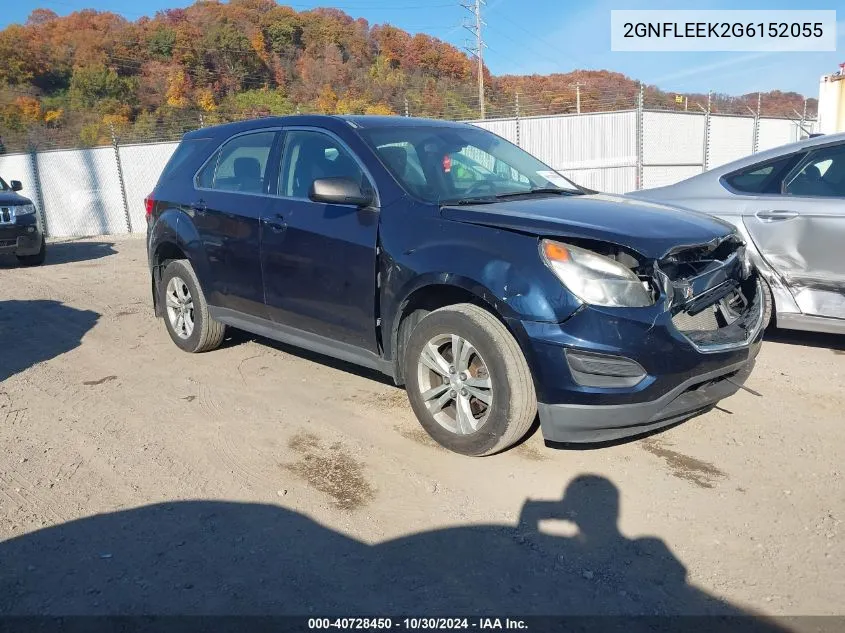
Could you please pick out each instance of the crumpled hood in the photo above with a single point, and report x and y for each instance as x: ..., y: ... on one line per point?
x: 648, y: 228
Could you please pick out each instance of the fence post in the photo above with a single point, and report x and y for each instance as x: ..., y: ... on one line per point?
x: 120, y: 178
x: 516, y: 109
x: 640, y: 108
x: 202, y: 121
x: 756, y: 142
x: 39, y: 194
x: 706, y: 158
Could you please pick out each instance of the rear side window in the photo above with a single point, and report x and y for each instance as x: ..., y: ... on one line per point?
x: 188, y: 149
x: 823, y: 175
x: 240, y: 165
x: 765, y: 178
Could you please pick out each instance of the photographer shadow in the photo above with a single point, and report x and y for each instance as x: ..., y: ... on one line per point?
x: 222, y: 558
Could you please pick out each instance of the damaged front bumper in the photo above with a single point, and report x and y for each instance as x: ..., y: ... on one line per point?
x: 580, y: 423
x: 609, y: 373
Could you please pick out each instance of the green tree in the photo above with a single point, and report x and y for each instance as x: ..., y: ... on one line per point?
x: 161, y: 43
x: 92, y: 87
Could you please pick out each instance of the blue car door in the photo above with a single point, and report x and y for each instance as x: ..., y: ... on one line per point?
x: 232, y: 194
x: 318, y: 259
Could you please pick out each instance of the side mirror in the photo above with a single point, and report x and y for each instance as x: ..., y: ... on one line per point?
x: 339, y: 191
x: 16, y: 185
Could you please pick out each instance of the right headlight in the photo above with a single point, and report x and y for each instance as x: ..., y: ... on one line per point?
x: 25, y: 209
x: 593, y: 278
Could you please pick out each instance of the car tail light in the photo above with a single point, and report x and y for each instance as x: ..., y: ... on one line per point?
x: 149, y: 204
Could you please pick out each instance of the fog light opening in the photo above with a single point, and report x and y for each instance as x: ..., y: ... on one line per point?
x: 604, y: 370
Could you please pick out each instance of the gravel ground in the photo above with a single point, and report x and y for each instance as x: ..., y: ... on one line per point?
x: 135, y: 478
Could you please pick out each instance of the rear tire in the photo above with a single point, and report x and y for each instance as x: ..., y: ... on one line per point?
x: 186, y: 311
x: 496, y: 405
x: 37, y: 259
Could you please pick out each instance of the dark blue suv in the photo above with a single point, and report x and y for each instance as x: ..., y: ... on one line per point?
x: 446, y: 257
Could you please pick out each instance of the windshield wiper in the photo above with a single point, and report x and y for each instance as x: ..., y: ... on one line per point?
x: 537, y: 190
x: 510, y: 194
x: 463, y: 201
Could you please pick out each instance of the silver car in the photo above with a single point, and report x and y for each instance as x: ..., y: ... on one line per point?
x: 789, y: 205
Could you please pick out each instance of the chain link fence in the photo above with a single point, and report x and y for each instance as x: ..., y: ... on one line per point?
x: 100, y: 190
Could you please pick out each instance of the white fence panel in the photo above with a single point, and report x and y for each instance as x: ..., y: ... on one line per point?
x: 582, y: 141
x: 605, y: 179
x: 776, y: 132
x: 19, y: 167
x: 142, y: 165
x: 673, y: 138
x: 731, y: 137
x: 81, y: 192
x: 673, y: 147
x: 662, y: 175
x: 505, y: 128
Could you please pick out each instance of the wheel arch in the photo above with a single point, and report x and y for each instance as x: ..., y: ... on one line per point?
x: 432, y: 295
x: 174, y: 236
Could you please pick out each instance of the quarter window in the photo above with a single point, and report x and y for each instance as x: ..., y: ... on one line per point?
x: 765, y: 178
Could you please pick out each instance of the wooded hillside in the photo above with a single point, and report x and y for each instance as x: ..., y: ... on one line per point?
x: 72, y: 80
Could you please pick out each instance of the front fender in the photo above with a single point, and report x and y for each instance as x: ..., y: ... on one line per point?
x: 501, y: 268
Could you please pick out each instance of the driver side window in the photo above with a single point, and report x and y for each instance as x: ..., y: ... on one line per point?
x: 309, y: 156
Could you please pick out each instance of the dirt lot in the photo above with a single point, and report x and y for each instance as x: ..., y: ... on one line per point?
x: 135, y: 478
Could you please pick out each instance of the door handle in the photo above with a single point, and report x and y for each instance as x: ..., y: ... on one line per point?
x: 776, y: 214
x: 275, y: 223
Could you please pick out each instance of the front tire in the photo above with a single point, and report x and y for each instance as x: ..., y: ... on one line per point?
x: 769, y: 316
x: 37, y: 259
x: 468, y: 381
x: 186, y: 311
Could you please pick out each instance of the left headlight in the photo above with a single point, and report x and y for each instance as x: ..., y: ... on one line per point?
x: 593, y: 278
x: 25, y: 209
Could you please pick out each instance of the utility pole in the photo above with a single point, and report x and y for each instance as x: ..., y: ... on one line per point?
x: 577, y: 85
x: 474, y: 7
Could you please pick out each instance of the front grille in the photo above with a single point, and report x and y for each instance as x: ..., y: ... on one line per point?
x: 6, y: 215
x: 704, y: 321
x: 731, y: 321
x: 713, y: 294
x: 7, y: 243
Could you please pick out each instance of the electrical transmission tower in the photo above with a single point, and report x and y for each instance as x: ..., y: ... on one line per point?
x: 477, y: 51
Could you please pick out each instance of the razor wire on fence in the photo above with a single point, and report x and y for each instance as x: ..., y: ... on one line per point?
x: 100, y: 190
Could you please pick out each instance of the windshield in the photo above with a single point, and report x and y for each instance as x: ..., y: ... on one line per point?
x: 3, y: 185
x: 451, y: 164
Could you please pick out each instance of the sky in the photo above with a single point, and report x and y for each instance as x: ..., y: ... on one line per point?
x: 546, y: 36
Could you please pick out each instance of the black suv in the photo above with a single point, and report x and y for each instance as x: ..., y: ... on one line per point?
x: 20, y: 233
x: 448, y: 258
